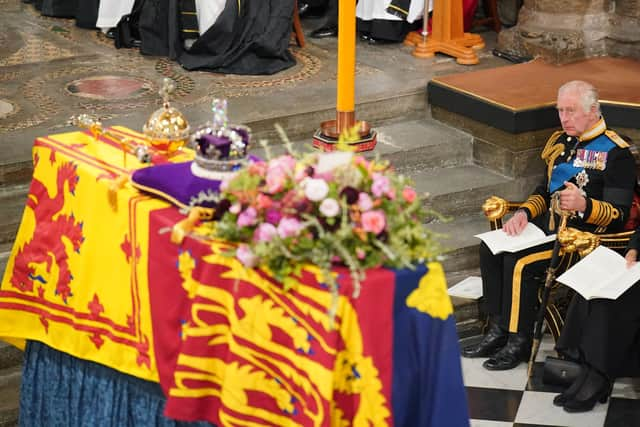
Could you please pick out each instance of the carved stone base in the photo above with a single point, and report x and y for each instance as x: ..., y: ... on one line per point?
x: 561, y: 31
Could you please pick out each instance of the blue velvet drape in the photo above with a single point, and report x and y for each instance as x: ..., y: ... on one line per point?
x: 61, y: 390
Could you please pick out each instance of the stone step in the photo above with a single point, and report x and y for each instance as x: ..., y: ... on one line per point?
x: 468, y: 328
x: 469, y: 320
x: 407, y: 144
x: 461, y: 248
x: 12, y: 201
x: 10, y: 379
x: 460, y: 190
x: 10, y: 356
x: 424, y: 143
x: 5, y: 251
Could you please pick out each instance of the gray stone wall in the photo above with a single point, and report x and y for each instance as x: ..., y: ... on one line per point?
x: 562, y: 31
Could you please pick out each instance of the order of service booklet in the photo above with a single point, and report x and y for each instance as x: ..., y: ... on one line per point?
x: 601, y: 274
x: 498, y: 241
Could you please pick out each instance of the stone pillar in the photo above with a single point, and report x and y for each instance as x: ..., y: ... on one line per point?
x: 624, y: 37
x: 562, y: 31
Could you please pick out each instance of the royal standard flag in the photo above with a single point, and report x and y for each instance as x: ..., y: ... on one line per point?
x: 234, y: 348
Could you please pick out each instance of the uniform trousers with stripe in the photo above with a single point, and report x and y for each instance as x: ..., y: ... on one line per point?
x: 510, y: 285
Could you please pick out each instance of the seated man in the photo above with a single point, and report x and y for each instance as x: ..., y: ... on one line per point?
x: 605, y: 336
x: 593, y: 172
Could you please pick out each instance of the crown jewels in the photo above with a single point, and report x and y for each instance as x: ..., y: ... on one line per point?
x: 167, y: 128
x: 220, y: 148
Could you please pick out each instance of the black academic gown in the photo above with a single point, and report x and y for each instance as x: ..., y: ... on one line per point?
x: 249, y: 37
x: 85, y: 12
x: 606, y: 332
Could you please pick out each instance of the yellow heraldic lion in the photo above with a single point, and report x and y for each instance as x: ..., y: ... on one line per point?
x: 273, y: 368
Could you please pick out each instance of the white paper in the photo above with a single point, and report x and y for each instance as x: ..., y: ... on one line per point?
x: 471, y: 287
x: 601, y: 274
x: 498, y: 241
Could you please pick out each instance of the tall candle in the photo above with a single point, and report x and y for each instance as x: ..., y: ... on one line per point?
x: 346, y: 55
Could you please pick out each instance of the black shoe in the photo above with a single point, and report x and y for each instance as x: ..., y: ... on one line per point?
x: 111, y: 33
x: 494, y: 340
x: 324, y: 32
x: 572, y: 390
x: 517, y: 350
x: 595, y: 388
x: 365, y: 37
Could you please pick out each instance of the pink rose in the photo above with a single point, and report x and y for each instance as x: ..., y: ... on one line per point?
x: 265, y: 232
x: 364, y: 202
x: 373, y: 221
x: 246, y: 256
x: 380, y: 185
x: 408, y: 194
x: 360, y: 253
x: 361, y: 161
x: 263, y: 201
x: 247, y: 217
x: 329, y: 207
x: 276, y: 179
x: 286, y: 163
x: 289, y: 227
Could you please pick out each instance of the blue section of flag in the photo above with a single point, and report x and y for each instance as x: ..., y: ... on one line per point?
x: 427, y: 390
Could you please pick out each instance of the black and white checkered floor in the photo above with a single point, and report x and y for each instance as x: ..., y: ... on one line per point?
x: 506, y: 398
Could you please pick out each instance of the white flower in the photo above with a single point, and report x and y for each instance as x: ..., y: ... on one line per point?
x: 329, y: 207
x: 316, y: 189
x: 235, y: 208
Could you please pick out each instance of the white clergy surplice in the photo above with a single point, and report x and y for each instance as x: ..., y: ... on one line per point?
x: 368, y: 10
x: 208, y: 11
x: 110, y: 12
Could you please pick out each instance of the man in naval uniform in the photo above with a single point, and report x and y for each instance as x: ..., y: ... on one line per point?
x: 593, y: 172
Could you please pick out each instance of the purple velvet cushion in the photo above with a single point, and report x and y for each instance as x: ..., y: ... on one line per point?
x: 176, y: 183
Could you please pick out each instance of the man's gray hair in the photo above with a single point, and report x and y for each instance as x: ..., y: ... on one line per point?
x: 587, y: 92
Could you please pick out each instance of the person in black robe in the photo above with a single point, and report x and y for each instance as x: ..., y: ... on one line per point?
x: 330, y: 26
x: 604, y: 337
x: 249, y: 37
x: 85, y: 12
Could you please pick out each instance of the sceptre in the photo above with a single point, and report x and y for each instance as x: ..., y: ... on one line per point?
x: 549, y: 279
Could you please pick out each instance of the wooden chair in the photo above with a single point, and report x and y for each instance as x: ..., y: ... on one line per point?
x: 491, y: 19
x: 297, y: 27
x: 496, y: 208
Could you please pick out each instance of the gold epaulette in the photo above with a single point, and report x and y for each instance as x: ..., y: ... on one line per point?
x: 551, y: 147
x: 616, y: 138
x: 551, y: 151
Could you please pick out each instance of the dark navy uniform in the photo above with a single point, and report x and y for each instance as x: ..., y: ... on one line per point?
x: 606, y: 333
x: 600, y: 163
